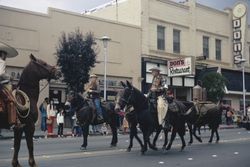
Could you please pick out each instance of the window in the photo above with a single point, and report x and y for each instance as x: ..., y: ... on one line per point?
x: 218, y: 49
x: 206, y: 46
x: 160, y: 38
x: 176, y: 41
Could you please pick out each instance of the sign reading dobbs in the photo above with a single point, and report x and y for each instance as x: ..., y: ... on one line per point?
x: 180, y: 67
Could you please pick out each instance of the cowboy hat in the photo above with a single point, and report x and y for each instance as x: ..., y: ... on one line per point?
x: 11, y: 52
x: 155, y: 69
x: 93, y: 76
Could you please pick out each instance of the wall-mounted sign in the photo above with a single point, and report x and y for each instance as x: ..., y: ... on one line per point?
x: 181, y: 67
x: 239, y: 31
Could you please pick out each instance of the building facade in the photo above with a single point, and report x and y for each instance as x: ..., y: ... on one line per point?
x: 37, y: 33
x: 173, y: 30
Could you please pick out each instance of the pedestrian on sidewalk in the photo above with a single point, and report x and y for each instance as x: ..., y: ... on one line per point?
x: 43, y: 111
x: 51, y: 113
x: 60, y: 120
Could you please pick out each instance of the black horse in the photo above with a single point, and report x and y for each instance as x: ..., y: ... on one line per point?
x: 86, y: 115
x: 195, y: 120
x: 147, y: 120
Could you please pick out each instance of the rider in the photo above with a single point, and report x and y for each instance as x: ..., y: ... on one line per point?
x: 93, y: 90
x: 7, y: 51
x: 158, y: 87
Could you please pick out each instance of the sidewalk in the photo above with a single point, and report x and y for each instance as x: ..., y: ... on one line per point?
x: 7, y: 134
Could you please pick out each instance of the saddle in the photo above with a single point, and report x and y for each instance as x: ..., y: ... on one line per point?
x: 13, y: 103
x: 203, y: 107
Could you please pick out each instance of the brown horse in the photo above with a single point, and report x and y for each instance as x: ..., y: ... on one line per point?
x: 35, y: 71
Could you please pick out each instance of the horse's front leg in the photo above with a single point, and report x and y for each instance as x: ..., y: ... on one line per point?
x: 17, y: 142
x: 131, y: 137
x: 172, y: 138
x: 29, y: 134
x: 114, y: 135
x: 181, y: 134
x: 194, y: 133
x: 158, y: 131
x: 212, y: 135
x: 85, y: 130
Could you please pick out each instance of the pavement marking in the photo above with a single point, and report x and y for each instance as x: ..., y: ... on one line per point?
x: 12, y: 148
x: 248, y: 132
x: 161, y: 162
x: 190, y: 159
x: 46, y: 156
x: 236, y: 153
x: 239, y: 133
x: 214, y: 156
x: 126, y: 141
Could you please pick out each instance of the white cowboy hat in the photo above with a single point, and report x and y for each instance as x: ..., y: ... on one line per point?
x: 155, y: 69
x: 93, y: 76
x: 11, y: 52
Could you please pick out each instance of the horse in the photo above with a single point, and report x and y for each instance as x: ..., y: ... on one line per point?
x: 35, y: 71
x: 147, y: 120
x: 86, y: 115
x: 195, y: 119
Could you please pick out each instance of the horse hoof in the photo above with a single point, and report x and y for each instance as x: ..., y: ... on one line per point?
x: 210, y: 141
x: 154, y: 148
x: 16, y: 164
x: 163, y: 148
x: 83, y: 148
x: 199, y: 139
x: 182, y: 148
x: 190, y: 143
x: 168, y: 148
x: 112, y: 145
x: 128, y: 149
x: 217, y: 141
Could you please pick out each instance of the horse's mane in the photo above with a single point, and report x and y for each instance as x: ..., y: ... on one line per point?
x: 142, y: 100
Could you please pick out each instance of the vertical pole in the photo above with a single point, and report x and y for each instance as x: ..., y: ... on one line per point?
x: 105, y: 73
x: 244, y: 90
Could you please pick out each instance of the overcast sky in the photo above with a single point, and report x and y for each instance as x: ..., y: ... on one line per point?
x: 82, y: 5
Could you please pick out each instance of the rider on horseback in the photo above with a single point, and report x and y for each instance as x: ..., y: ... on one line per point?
x: 93, y: 90
x: 5, y: 88
x: 157, y: 89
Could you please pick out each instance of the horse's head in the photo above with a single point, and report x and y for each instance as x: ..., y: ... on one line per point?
x: 43, y: 70
x: 124, y: 97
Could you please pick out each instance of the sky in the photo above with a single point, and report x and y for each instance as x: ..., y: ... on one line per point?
x: 80, y: 6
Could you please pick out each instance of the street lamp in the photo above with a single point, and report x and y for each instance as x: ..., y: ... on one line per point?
x: 242, y: 61
x: 105, y: 40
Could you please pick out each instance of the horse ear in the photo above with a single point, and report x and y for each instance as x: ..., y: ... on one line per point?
x: 32, y: 57
x: 129, y: 84
x: 123, y: 84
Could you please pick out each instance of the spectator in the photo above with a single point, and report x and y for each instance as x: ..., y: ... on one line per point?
x: 51, y: 113
x: 43, y: 111
x: 60, y: 121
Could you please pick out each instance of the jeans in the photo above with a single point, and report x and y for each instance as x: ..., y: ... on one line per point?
x: 98, y: 107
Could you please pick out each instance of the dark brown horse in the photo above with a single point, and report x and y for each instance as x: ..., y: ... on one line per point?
x: 86, y: 116
x: 35, y: 71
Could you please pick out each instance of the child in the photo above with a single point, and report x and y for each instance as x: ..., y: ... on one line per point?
x: 104, y: 129
x: 60, y: 121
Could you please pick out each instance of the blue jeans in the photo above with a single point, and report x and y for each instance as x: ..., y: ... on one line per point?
x: 98, y: 107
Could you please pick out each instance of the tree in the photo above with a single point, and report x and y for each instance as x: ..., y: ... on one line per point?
x: 76, y: 57
x: 215, y: 85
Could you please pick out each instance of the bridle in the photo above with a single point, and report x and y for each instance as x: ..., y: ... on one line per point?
x: 51, y: 71
x: 127, y: 101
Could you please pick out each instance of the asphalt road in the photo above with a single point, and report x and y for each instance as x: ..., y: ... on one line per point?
x: 232, y: 151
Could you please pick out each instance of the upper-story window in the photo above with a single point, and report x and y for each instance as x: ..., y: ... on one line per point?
x: 218, y: 49
x: 206, y: 46
x: 176, y: 41
x: 160, y: 37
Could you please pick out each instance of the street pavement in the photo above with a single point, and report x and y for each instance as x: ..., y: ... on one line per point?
x: 232, y: 151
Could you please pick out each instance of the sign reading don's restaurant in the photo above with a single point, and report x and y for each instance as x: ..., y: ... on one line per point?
x: 181, y: 67
x: 239, y: 31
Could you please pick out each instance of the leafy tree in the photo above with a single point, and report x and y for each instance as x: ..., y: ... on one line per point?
x: 215, y: 85
x: 76, y: 57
